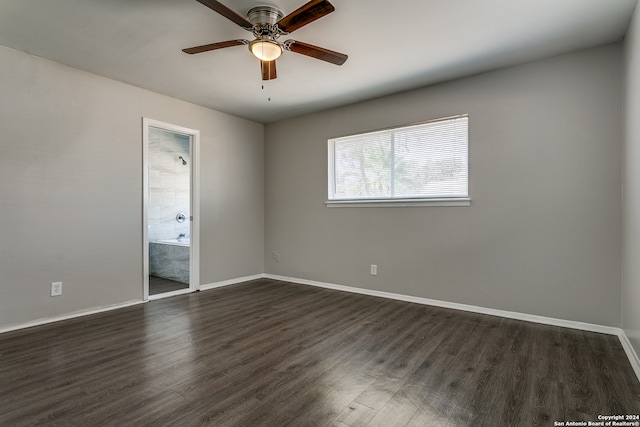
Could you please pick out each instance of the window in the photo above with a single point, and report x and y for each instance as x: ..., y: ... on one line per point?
x: 416, y: 164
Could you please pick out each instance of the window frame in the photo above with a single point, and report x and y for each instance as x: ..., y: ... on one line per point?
x: 386, y: 201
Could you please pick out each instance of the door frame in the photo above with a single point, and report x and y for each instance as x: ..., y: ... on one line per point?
x: 194, y: 250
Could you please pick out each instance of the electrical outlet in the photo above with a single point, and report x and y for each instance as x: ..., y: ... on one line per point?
x: 276, y: 256
x: 56, y: 289
x: 374, y: 270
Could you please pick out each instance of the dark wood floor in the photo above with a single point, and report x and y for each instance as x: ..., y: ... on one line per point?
x: 270, y: 353
x: 160, y: 285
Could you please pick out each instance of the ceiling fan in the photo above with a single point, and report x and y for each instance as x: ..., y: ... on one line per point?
x: 267, y: 24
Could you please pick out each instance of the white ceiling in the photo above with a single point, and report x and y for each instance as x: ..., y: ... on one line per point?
x: 392, y: 45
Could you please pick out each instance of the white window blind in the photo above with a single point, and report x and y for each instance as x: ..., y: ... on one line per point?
x: 424, y: 161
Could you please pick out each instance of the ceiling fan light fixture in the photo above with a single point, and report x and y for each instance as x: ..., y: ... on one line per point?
x: 265, y: 50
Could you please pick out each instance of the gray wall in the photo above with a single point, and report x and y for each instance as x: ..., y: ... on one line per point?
x: 543, y: 233
x: 71, y: 188
x: 631, y: 290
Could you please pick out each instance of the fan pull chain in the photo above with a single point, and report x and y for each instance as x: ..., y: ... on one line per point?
x: 268, y: 90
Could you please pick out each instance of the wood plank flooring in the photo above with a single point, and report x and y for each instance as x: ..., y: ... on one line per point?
x: 270, y: 353
x: 160, y: 285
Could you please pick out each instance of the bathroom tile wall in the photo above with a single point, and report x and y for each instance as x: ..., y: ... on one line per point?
x: 169, y: 182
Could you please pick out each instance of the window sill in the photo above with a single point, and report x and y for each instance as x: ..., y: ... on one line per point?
x: 384, y: 203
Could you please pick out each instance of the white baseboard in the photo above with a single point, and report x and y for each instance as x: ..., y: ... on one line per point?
x: 591, y: 327
x: 457, y: 306
x: 96, y: 310
x: 215, y: 285
x: 68, y: 316
x: 631, y: 353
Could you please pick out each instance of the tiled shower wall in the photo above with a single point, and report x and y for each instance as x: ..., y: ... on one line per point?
x: 169, y: 182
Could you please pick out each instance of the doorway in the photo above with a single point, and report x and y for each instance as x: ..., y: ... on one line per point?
x: 170, y: 210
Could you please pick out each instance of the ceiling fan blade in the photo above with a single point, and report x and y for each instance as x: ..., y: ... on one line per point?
x: 227, y: 13
x: 309, y: 12
x: 268, y: 69
x: 214, y: 46
x: 316, y: 52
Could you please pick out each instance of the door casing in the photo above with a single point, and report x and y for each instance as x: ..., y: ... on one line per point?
x: 194, y: 251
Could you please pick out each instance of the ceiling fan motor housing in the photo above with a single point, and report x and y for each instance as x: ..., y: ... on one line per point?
x: 260, y: 15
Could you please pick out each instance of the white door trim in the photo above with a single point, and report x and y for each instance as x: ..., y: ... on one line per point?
x: 194, y: 258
